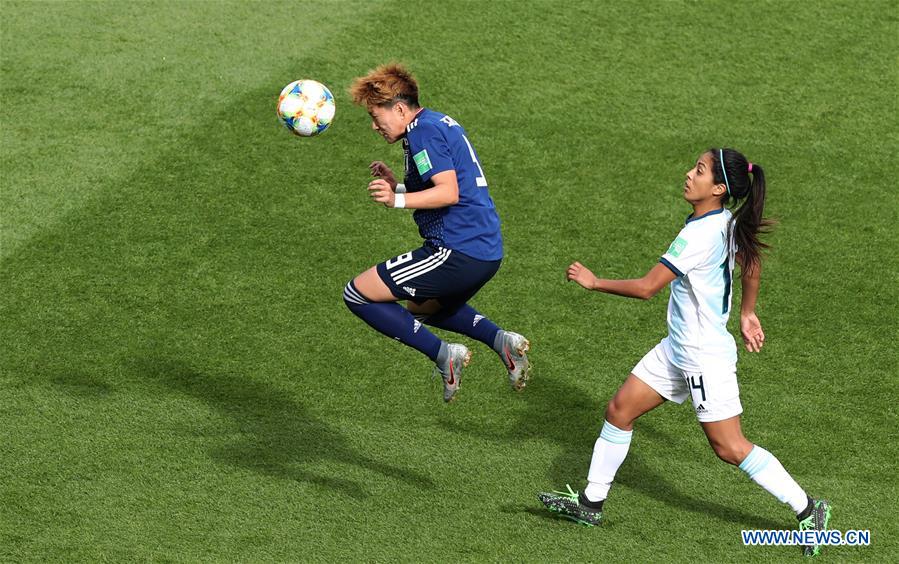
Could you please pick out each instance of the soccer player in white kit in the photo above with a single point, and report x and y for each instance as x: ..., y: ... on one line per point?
x: 698, y: 357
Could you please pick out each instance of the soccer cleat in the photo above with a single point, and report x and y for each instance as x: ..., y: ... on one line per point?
x: 816, y: 521
x: 569, y: 505
x: 459, y: 357
x: 514, y: 355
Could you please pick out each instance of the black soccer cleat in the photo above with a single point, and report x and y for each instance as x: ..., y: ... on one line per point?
x: 570, y: 506
x: 817, y: 520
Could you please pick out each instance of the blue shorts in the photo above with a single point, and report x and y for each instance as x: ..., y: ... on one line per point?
x: 426, y: 273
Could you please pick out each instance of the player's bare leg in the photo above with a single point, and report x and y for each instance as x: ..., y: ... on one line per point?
x: 634, y: 398
x: 371, y: 286
x: 727, y: 440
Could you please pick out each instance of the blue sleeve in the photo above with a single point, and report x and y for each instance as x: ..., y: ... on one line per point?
x: 430, y: 151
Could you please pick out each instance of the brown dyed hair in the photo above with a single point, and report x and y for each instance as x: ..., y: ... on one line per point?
x: 385, y: 86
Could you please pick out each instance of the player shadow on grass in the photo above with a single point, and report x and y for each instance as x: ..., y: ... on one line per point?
x: 562, y: 414
x: 81, y: 384
x: 278, y: 435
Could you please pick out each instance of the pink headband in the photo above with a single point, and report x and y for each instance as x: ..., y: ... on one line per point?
x: 750, y: 167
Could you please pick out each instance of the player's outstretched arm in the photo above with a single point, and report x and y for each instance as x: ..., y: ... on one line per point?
x: 642, y: 288
x: 750, y: 326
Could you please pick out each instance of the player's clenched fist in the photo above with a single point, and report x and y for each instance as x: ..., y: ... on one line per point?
x: 381, y: 192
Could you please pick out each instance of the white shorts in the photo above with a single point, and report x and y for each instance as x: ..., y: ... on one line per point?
x: 713, y: 389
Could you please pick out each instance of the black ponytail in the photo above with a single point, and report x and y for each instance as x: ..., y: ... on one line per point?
x: 744, y: 181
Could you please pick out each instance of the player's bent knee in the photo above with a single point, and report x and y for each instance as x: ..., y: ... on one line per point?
x: 618, y: 414
x: 371, y: 288
x: 352, y: 297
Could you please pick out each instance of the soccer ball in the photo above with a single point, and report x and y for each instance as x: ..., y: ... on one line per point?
x: 306, y: 107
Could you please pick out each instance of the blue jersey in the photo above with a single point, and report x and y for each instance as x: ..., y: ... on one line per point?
x: 435, y: 143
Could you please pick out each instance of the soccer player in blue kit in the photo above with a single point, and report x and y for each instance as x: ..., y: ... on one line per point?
x: 462, y: 250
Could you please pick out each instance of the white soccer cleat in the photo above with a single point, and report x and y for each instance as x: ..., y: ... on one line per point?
x: 514, y: 356
x: 459, y: 357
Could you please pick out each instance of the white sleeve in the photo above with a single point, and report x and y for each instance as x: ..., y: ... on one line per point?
x: 688, y: 250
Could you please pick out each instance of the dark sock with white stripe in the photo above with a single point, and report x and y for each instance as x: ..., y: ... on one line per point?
x: 467, y: 321
x: 392, y: 320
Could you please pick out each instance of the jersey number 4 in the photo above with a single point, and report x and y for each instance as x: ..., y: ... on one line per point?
x: 700, y: 386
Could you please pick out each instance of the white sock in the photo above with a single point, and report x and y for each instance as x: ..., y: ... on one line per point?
x: 608, y: 454
x: 766, y: 471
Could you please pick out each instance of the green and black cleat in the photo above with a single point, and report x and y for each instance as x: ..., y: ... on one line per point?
x: 817, y: 520
x: 571, y: 506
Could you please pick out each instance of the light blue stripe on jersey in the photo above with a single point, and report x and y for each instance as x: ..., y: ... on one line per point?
x: 615, y: 435
x: 756, y: 461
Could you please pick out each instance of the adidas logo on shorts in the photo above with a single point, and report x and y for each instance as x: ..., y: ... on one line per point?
x: 411, y: 291
x: 701, y: 409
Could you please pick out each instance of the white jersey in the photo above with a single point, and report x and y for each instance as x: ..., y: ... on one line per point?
x: 701, y: 294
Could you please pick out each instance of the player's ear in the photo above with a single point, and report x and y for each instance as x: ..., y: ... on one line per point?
x: 719, y: 189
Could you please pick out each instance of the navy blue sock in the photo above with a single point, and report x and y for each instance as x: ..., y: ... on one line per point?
x: 467, y: 321
x: 392, y: 320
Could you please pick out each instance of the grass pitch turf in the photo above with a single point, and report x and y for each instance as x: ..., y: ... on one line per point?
x: 181, y: 381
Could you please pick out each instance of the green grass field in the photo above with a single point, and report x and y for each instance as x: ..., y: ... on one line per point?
x: 181, y: 381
